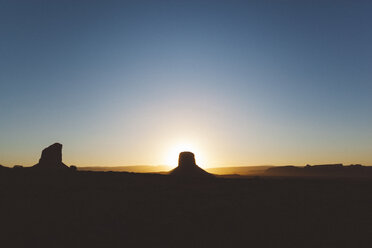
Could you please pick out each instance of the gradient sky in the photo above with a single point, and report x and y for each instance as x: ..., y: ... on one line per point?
x: 237, y: 82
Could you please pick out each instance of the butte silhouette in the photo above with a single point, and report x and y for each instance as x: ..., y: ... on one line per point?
x: 51, y: 158
x: 188, y: 167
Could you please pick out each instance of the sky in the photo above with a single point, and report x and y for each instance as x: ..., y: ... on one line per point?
x: 238, y: 83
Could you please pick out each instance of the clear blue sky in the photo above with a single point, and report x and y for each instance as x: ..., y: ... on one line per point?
x: 241, y: 82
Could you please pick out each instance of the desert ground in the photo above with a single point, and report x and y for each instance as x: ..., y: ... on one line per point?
x: 119, y: 209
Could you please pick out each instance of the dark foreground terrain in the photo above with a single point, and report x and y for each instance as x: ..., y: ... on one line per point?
x: 103, y: 209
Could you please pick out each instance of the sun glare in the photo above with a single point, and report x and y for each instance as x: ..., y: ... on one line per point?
x: 172, y: 156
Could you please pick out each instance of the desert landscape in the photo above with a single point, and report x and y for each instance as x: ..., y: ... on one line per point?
x: 59, y: 206
x: 185, y: 123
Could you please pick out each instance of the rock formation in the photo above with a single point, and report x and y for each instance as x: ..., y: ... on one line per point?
x: 51, y: 158
x: 188, y: 167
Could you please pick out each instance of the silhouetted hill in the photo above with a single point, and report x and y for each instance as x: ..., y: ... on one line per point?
x: 51, y: 158
x: 326, y: 170
x: 4, y: 167
x: 188, y: 167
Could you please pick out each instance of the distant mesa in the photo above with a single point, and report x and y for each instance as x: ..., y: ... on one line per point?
x: 353, y: 170
x: 188, y: 167
x: 51, y: 158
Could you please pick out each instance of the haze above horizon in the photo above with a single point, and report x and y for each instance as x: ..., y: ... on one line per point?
x: 236, y: 82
